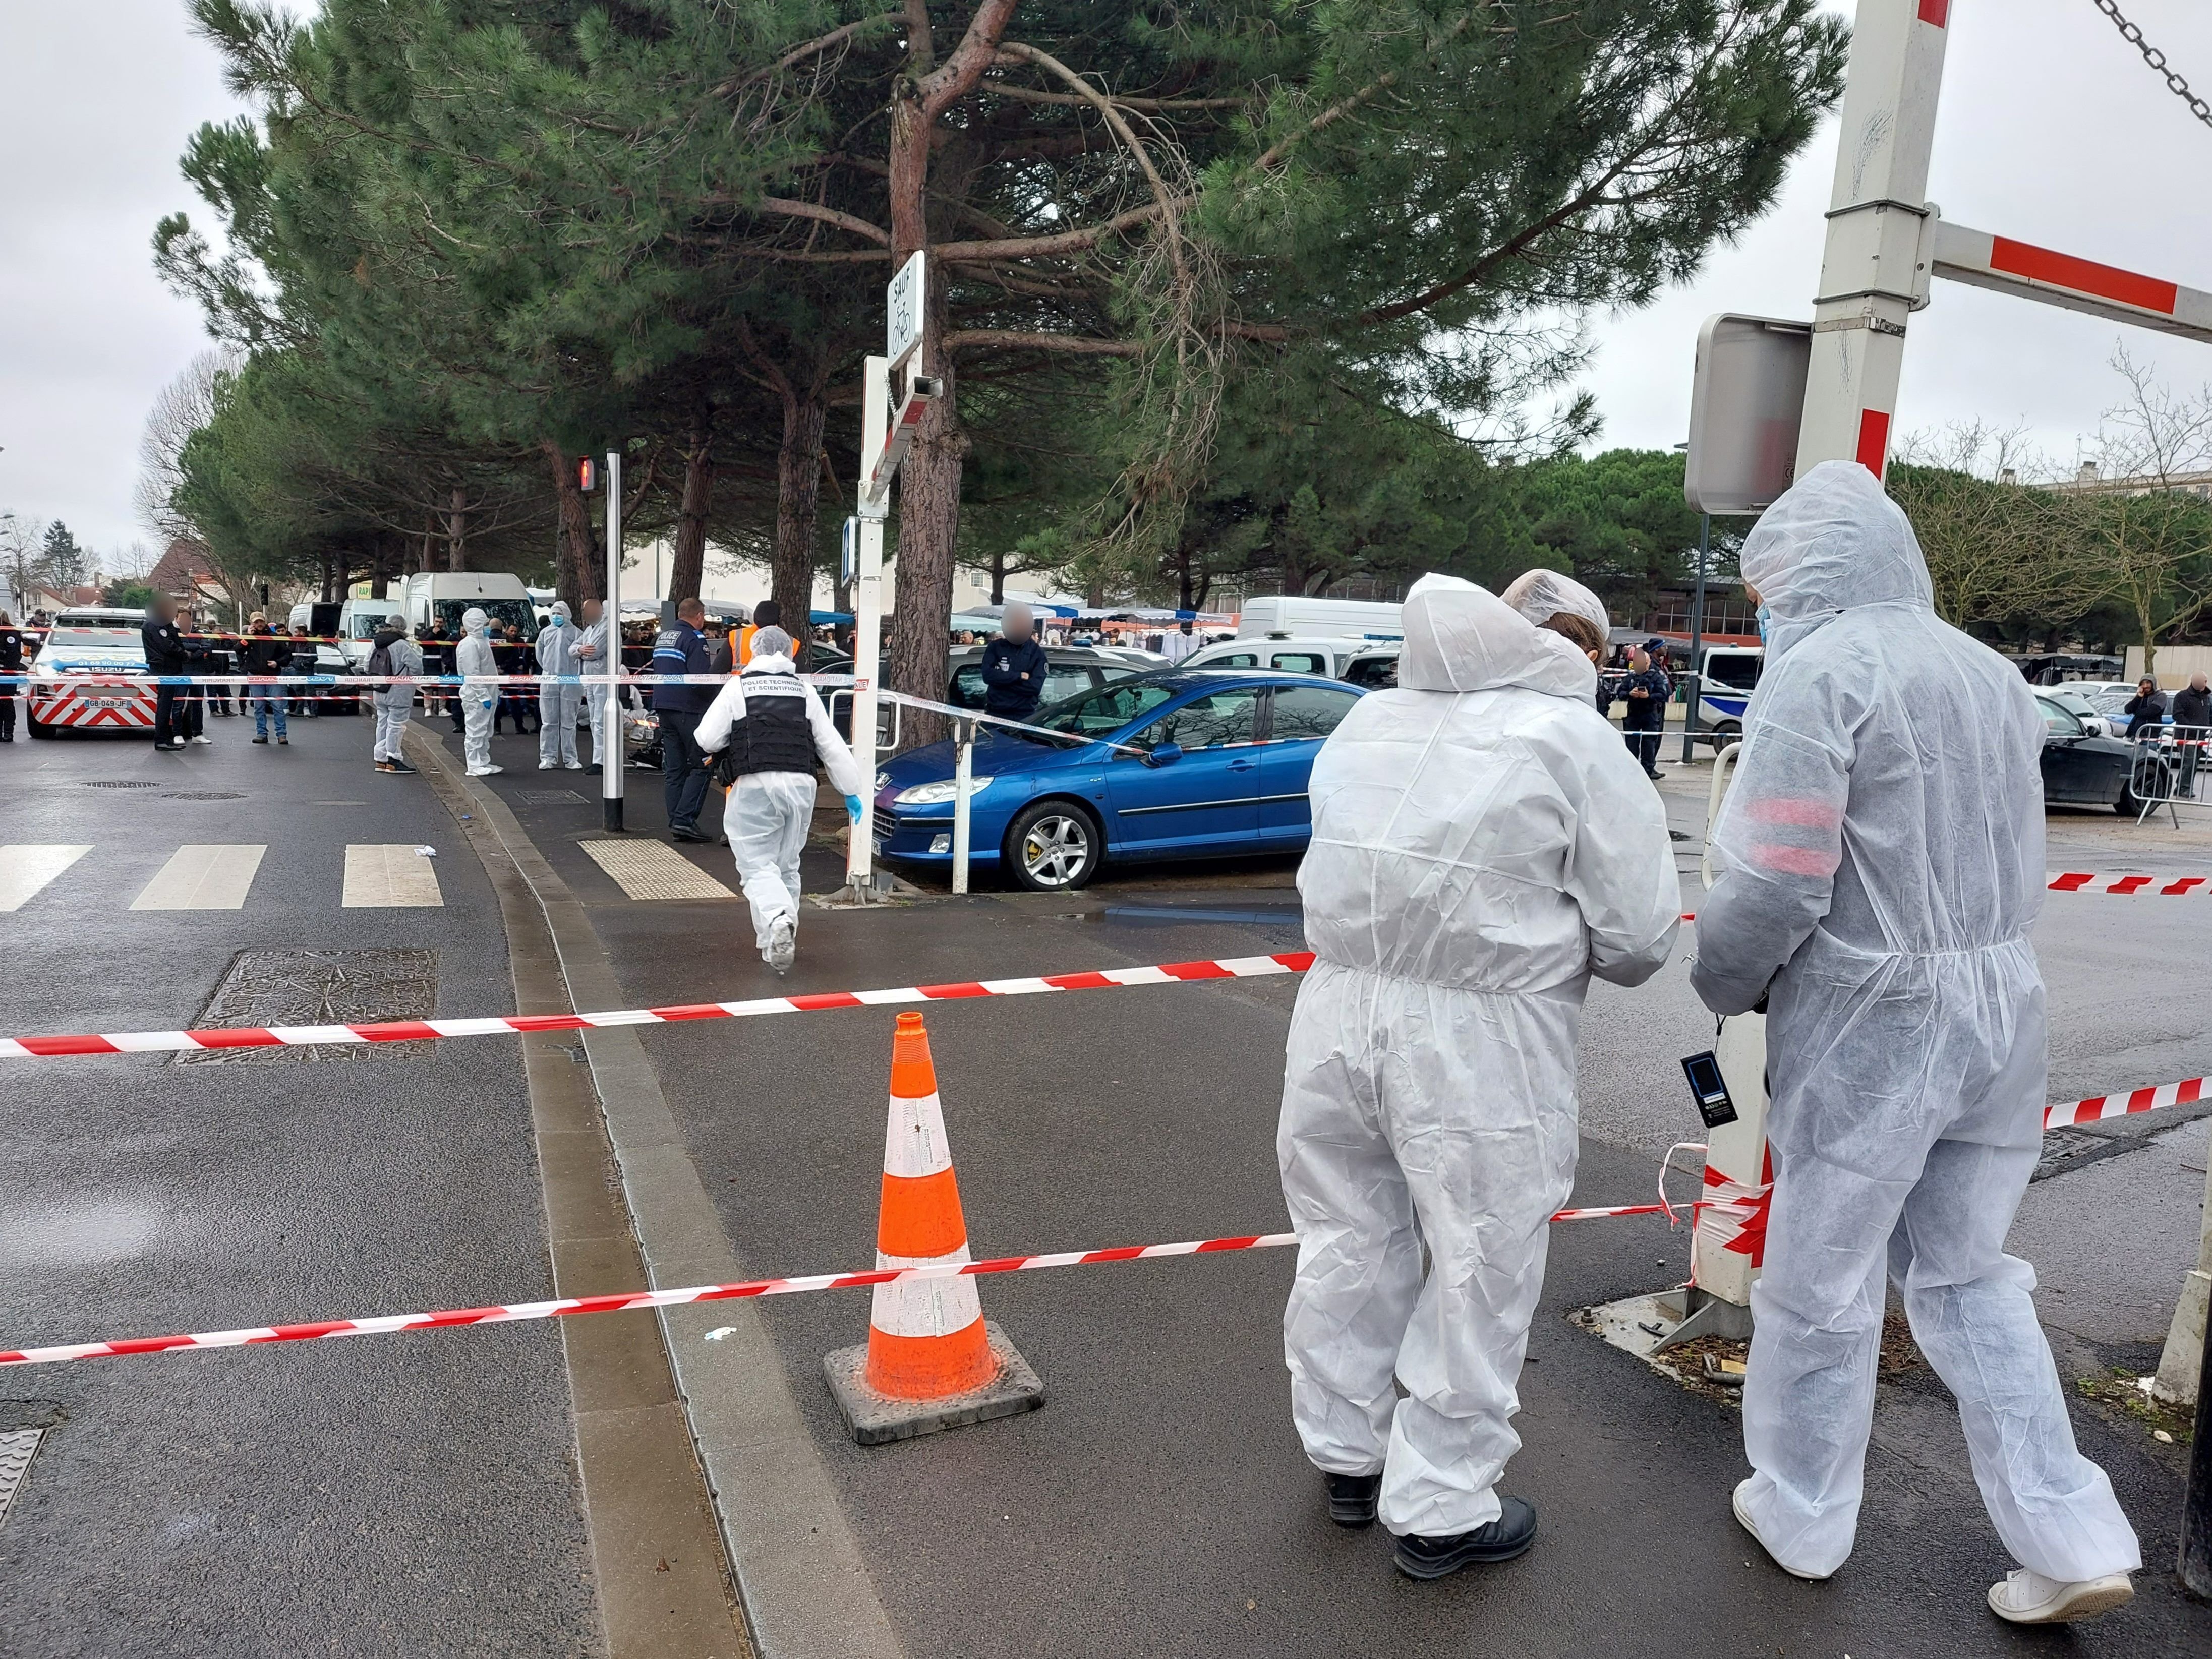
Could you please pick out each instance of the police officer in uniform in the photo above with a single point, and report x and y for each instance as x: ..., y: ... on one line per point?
x: 770, y: 731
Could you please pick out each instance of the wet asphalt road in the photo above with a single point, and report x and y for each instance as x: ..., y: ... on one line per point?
x: 399, y: 1496
x: 1158, y: 1504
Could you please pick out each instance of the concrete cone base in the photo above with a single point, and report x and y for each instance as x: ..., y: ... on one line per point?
x: 876, y: 1420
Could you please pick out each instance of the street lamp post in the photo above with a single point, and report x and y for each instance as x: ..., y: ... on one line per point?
x: 1697, y: 637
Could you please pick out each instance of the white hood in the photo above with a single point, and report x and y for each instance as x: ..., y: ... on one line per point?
x: 1460, y: 637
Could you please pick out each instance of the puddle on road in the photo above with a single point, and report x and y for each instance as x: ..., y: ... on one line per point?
x: 91, y: 1234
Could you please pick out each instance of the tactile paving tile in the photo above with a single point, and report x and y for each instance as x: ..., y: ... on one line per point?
x: 649, y: 870
x: 16, y: 1448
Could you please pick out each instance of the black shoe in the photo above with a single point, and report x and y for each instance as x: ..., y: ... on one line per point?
x: 592, y: 770
x: 1351, y: 1498
x: 1509, y: 1535
x: 261, y: 739
x: 686, y: 835
x: 401, y: 766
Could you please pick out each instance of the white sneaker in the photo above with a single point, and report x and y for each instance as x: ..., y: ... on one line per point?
x: 782, y: 943
x: 484, y: 771
x: 202, y: 739
x: 548, y: 766
x: 1743, y: 1520
x: 571, y: 766
x: 2026, y: 1597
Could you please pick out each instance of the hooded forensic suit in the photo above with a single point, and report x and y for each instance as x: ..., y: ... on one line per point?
x: 1882, y: 858
x: 473, y: 656
x: 775, y: 730
x: 557, y: 704
x: 1482, y: 844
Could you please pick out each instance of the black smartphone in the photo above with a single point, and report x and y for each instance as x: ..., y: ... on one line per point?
x: 1710, y: 1089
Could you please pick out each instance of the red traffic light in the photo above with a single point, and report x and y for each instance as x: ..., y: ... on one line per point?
x: 587, y: 474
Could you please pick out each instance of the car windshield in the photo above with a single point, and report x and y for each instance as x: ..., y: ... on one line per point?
x: 359, y: 627
x: 504, y: 614
x: 1096, y: 713
x: 93, y: 639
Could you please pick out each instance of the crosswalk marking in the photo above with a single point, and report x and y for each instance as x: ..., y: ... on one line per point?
x: 649, y: 870
x: 25, y: 869
x: 203, y: 876
x: 380, y: 876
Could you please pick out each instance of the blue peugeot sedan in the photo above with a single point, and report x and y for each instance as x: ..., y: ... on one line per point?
x: 1212, y: 763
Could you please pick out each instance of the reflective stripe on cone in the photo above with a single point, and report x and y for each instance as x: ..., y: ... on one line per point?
x: 926, y: 1337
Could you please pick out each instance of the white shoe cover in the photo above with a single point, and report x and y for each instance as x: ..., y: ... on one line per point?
x: 2026, y: 1597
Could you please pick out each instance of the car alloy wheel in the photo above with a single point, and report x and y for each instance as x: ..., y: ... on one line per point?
x: 1056, y: 849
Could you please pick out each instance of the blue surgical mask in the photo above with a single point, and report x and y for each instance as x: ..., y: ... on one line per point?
x: 1763, y: 618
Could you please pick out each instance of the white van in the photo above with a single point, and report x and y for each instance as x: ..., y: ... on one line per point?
x: 358, y: 621
x: 1304, y: 655
x: 1725, y: 684
x: 1294, y: 616
x: 448, y: 595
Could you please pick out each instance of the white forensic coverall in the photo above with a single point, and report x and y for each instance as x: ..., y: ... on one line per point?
x: 556, y: 704
x: 589, y: 649
x: 1482, y: 844
x: 473, y: 655
x: 765, y: 814
x: 1882, y: 857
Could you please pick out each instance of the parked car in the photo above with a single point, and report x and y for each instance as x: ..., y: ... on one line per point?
x: 2081, y: 768
x: 2109, y: 698
x: 1373, y: 670
x: 84, y: 642
x: 2084, y: 709
x: 1211, y: 763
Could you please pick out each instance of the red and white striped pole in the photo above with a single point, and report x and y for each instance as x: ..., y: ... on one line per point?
x: 1870, y: 275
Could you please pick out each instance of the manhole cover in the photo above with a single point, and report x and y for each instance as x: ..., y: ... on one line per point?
x: 16, y: 1447
x: 118, y: 783
x: 552, y: 797
x: 319, y: 987
x: 203, y: 794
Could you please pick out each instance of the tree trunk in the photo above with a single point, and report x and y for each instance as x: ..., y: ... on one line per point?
x: 581, y: 575
x: 687, y: 565
x: 457, y: 529
x: 798, y: 502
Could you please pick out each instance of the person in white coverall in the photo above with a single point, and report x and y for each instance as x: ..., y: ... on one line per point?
x: 1882, y: 861
x: 591, y: 651
x: 473, y: 655
x: 775, y: 731
x: 557, y: 704
x: 1482, y: 845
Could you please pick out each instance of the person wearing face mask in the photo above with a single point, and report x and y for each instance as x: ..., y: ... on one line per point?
x: 1882, y: 854
x: 1482, y: 847
x: 473, y: 657
x: 557, y: 704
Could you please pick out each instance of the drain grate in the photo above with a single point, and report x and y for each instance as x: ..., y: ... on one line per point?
x: 204, y: 794
x: 17, y: 1447
x: 119, y: 783
x: 319, y: 987
x: 552, y: 797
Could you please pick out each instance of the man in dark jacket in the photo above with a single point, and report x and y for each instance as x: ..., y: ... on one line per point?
x: 1014, y: 668
x: 11, y: 662
x: 676, y: 708
x: 2148, y: 706
x: 164, y: 646
x: 266, y: 652
x: 2192, y: 725
x: 1646, y: 690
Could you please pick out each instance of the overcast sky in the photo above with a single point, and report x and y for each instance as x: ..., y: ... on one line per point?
x: 2052, y: 132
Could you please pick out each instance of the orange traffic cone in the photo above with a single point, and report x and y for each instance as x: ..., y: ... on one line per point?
x: 932, y: 1361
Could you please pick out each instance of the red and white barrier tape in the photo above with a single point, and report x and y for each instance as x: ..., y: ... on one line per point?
x: 513, y: 1312
x: 413, y: 1031
x: 2084, y: 881
x: 2187, y: 1092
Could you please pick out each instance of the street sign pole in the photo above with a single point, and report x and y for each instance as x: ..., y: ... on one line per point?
x: 1697, y: 637
x: 867, y: 620
x: 613, y: 743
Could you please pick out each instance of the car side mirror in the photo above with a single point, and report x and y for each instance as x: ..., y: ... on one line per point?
x: 1166, y: 754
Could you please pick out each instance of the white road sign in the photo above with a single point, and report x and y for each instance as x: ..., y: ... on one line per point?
x: 903, y: 303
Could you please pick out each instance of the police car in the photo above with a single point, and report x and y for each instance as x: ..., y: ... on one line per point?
x: 85, y: 641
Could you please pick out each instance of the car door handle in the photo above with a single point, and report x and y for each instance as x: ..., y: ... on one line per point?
x: 1243, y: 765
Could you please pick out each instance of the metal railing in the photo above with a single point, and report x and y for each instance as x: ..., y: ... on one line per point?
x: 2171, y: 769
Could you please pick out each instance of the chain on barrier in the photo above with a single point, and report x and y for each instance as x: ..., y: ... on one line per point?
x: 2151, y: 55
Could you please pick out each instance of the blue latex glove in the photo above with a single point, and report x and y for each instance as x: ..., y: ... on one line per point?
x: 853, y: 807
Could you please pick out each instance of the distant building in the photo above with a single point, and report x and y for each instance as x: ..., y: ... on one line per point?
x: 186, y: 573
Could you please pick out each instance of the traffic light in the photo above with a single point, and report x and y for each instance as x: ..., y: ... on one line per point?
x: 587, y: 474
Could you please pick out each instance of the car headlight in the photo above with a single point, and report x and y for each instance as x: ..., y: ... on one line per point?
x: 936, y: 794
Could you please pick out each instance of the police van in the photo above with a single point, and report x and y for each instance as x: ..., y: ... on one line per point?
x: 1725, y: 682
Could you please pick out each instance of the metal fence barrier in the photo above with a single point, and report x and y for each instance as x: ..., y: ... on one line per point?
x: 2170, y: 768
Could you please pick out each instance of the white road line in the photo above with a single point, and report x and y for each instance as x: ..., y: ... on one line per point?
x: 380, y: 876
x: 648, y: 870
x: 203, y: 876
x: 25, y: 869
